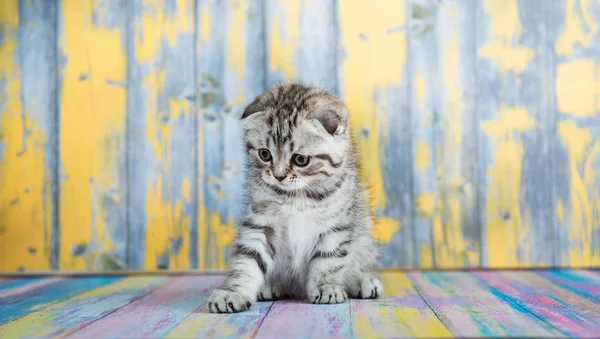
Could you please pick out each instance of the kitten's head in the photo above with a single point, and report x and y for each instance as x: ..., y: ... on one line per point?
x: 297, y: 137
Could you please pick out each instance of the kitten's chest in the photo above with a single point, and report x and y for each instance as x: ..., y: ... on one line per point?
x: 301, y: 237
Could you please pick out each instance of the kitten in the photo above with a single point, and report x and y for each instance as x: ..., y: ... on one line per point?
x: 306, y: 232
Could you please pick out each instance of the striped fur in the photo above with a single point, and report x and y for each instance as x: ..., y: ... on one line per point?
x: 306, y: 234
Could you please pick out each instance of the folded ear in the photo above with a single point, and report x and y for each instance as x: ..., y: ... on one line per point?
x: 255, y: 107
x: 334, y: 118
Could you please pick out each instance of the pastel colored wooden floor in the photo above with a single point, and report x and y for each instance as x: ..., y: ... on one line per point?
x: 552, y: 303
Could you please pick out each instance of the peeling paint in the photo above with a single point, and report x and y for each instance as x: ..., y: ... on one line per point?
x: 583, y: 153
x: 504, y: 194
x: 163, y: 52
x: 421, y: 90
x: 425, y: 205
x: 26, y: 219
x: 92, y: 134
x: 183, y: 213
x: 423, y: 159
x: 579, y: 28
x: 372, y: 66
x: 506, y: 31
x: 576, y: 82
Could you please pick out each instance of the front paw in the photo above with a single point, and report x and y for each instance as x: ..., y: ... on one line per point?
x: 370, y: 288
x: 268, y: 292
x: 328, y: 294
x: 222, y: 301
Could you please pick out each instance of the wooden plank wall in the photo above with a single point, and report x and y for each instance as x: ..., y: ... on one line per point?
x: 477, y: 124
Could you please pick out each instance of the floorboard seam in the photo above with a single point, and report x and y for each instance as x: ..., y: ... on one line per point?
x: 73, y: 331
x: 263, y: 319
x: 41, y: 308
x: 417, y: 289
x: 352, y: 334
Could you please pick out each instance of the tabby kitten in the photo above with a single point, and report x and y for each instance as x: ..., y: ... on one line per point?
x: 306, y: 232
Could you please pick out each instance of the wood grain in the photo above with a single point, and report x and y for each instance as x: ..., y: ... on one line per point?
x: 93, y: 94
x: 469, y: 308
x: 201, y: 324
x: 444, y: 149
x: 584, y: 283
x: 575, y: 315
x: 513, y: 136
x: 28, y: 118
x: 155, y: 314
x: 330, y: 321
x: 401, y: 312
x: 575, y: 131
x: 20, y: 288
x: 120, y: 145
x: 15, y: 306
x: 482, y: 304
x: 374, y: 83
x: 63, y: 317
x: 424, y: 104
x: 230, y: 62
x: 161, y: 135
x: 11, y: 283
x: 301, y: 42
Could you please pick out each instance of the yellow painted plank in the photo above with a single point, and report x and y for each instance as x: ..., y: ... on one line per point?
x: 26, y: 102
x: 92, y: 137
x: 576, y: 178
x: 514, y: 163
x: 162, y: 153
x: 401, y: 312
x: 373, y: 83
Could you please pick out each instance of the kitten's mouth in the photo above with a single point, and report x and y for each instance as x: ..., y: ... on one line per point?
x: 281, y: 188
x: 284, y: 186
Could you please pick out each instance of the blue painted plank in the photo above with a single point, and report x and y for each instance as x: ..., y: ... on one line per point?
x: 210, y: 66
x: 39, y: 34
x: 162, y: 135
x: 513, y: 130
x: 447, y: 231
x: 27, y: 288
x: 16, y: 282
x: 230, y: 64
x: 16, y: 306
x: 301, y: 42
x: 424, y: 104
x: 28, y: 135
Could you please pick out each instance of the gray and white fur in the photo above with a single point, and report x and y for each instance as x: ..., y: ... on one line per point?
x: 306, y: 230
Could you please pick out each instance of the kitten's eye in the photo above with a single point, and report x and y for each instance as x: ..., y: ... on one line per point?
x: 264, y: 154
x: 300, y: 160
